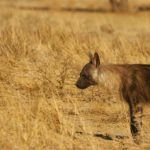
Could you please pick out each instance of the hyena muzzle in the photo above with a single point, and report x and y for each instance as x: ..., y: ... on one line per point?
x: 133, y: 83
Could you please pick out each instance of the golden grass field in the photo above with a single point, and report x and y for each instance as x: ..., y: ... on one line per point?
x: 41, y: 55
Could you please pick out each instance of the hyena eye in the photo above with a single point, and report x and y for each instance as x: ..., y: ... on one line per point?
x: 85, y: 76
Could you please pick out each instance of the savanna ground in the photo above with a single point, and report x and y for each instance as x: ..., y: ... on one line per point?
x: 41, y: 55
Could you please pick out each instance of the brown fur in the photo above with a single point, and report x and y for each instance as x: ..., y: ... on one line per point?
x: 133, y: 82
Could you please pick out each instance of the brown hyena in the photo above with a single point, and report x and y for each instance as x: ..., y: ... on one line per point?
x: 133, y: 82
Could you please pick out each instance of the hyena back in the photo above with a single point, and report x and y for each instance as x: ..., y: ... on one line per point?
x: 133, y: 82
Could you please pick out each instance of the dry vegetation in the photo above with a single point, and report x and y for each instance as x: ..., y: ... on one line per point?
x: 41, y: 54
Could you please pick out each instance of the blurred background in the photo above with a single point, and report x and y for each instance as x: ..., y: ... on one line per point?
x: 100, y: 5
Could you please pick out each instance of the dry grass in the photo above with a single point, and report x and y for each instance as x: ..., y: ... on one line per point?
x: 41, y: 54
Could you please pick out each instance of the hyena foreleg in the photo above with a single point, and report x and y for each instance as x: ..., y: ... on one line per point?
x: 136, y: 112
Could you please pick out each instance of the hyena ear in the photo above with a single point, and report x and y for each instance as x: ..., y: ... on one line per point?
x: 90, y: 56
x: 96, y: 60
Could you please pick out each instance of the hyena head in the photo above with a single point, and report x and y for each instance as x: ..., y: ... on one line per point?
x: 89, y: 73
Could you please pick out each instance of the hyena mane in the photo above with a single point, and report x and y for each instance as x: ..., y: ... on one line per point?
x: 136, y: 83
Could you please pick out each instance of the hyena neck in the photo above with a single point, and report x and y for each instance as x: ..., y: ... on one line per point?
x: 110, y: 75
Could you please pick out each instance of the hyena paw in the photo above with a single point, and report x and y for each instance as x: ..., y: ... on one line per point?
x: 137, y: 139
x: 136, y: 134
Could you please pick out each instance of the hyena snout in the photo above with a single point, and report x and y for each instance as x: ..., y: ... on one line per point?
x: 82, y: 84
